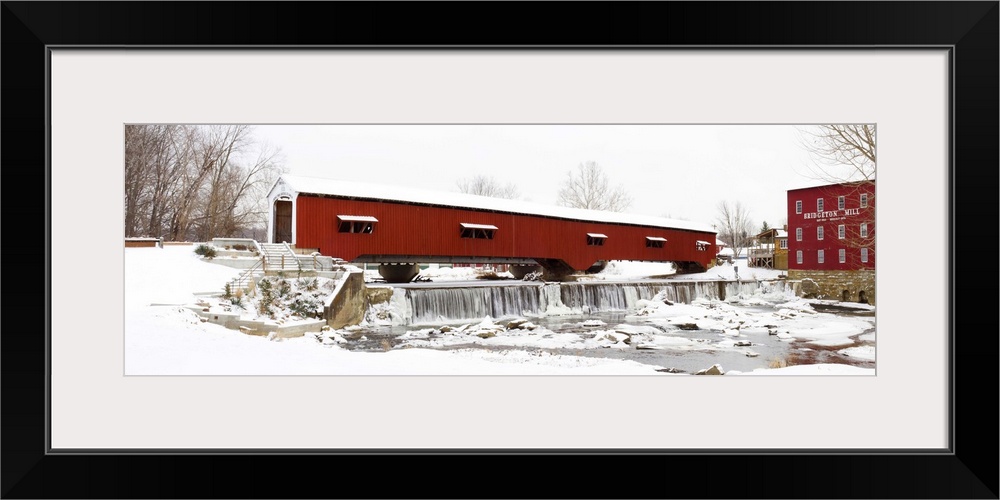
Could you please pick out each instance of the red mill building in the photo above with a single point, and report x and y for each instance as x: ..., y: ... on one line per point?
x: 831, y: 240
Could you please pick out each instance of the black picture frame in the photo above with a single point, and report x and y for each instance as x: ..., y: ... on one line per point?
x: 29, y: 29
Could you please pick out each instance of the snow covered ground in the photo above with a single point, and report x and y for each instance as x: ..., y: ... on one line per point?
x: 162, y: 337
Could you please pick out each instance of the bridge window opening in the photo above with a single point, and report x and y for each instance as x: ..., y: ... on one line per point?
x: 702, y: 245
x: 363, y: 224
x: 655, y: 242
x: 596, y: 239
x: 477, y: 231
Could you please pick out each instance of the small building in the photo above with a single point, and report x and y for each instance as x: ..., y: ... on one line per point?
x: 831, y: 240
x: 769, y: 249
x: 139, y: 242
x: 724, y: 253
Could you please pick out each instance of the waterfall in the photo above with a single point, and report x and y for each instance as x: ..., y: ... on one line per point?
x: 607, y: 297
x: 429, y: 305
x: 437, y: 305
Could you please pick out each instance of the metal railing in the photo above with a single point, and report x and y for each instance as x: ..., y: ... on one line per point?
x: 242, y: 282
x: 263, y: 255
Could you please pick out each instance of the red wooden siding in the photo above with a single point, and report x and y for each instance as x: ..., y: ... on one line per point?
x: 408, y: 229
x: 851, y: 216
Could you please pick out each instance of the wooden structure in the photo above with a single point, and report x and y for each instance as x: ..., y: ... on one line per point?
x: 143, y: 242
x: 832, y: 227
x: 389, y: 225
x: 831, y: 240
x: 769, y: 249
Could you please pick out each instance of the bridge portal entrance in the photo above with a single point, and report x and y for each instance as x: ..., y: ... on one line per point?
x: 282, y: 221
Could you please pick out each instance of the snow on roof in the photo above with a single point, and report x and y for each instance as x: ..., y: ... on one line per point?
x: 357, y: 218
x: 655, y: 238
x: 334, y: 187
x: 725, y: 251
x: 702, y: 242
x: 477, y: 226
x: 597, y: 235
x: 781, y: 234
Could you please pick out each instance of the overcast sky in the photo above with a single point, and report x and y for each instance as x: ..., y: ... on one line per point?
x: 679, y: 171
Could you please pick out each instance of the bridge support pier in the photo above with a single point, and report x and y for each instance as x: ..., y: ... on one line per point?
x: 687, y: 267
x: 519, y: 271
x: 556, y: 270
x: 398, y: 273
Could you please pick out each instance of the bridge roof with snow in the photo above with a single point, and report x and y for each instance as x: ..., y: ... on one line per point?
x: 386, y: 192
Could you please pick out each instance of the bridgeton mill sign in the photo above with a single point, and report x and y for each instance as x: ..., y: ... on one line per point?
x: 832, y: 214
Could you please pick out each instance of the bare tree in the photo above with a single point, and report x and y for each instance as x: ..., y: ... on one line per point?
x: 668, y: 215
x: 841, y: 153
x: 590, y: 188
x: 155, y: 164
x: 240, y: 171
x: 488, y: 186
x: 734, y: 226
x: 184, y: 181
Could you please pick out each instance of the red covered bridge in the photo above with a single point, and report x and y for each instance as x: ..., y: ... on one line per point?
x: 392, y: 225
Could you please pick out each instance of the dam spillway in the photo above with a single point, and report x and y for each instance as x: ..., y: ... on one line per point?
x: 433, y: 303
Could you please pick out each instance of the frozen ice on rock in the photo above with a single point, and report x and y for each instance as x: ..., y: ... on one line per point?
x: 610, y: 338
x: 715, y: 369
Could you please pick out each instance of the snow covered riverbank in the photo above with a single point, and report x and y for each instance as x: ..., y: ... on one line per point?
x: 169, y: 339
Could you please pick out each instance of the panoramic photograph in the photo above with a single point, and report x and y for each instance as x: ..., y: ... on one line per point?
x: 474, y: 249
